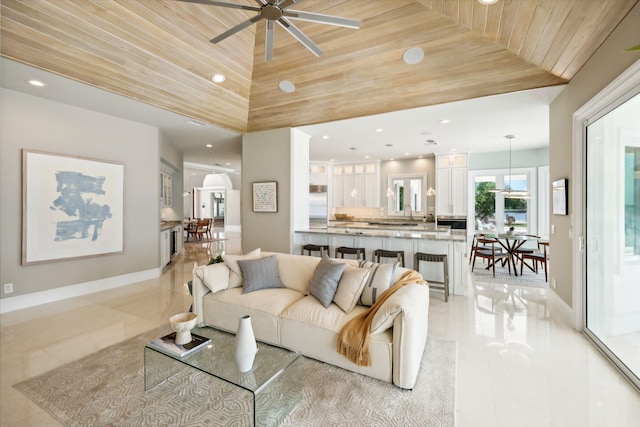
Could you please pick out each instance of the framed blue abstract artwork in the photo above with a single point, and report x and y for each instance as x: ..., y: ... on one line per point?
x: 72, y: 207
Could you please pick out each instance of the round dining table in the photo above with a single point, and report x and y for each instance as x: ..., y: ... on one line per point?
x: 511, y: 242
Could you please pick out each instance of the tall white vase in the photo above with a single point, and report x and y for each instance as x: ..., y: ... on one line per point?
x: 246, y: 347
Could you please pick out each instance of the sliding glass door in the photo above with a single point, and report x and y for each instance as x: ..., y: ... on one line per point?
x: 612, y: 225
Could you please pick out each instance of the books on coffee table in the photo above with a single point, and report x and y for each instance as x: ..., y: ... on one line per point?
x: 167, y: 344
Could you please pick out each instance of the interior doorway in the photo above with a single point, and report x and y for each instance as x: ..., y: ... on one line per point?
x: 218, y: 208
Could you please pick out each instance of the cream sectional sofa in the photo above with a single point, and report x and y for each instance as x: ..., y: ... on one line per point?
x: 291, y: 318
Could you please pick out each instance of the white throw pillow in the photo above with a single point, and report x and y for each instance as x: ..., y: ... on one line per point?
x: 235, y: 277
x: 350, y: 287
x: 381, y: 278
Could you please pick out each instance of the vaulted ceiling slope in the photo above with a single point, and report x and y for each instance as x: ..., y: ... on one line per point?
x: 158, y: 52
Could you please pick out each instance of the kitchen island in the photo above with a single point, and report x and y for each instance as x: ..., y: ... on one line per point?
x: 408, y: 238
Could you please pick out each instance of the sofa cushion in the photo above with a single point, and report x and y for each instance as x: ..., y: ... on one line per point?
x: 260, y: 274
x: 350, y: 287
x: 325, y: 280
x: 309, y: 310
x: 235, y: 277
x: 223, y: 310
x: 296, y: 271
x: 381, y: 277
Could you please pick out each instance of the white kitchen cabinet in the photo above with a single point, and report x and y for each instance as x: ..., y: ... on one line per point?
x: 318, y: 174
x: 165, y: 247
x: 166, y: 189
x: 451, y: 185
x: 355, y: 185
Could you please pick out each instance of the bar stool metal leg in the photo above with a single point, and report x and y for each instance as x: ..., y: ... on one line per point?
x: 378, y: 254
x: 440, y: 258
x: 358, y: 252
x: 315, y: 248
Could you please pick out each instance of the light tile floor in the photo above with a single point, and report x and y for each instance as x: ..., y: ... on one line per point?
x: 518, y: 364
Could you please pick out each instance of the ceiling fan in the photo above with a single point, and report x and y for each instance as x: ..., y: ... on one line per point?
x: 277, y: 11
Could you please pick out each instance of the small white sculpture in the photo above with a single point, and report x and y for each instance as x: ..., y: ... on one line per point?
x: 182, y: 324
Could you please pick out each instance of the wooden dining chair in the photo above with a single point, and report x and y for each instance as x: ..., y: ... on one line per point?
x: 202, y: 226
x: 537, y: 258
x: 486, y: 249
x: 192, y: 230
x: 475, y: 246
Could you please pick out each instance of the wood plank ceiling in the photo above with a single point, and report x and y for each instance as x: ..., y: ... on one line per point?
x: 158, y: 52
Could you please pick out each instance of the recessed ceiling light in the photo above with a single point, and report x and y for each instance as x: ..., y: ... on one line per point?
x: 413, y: 56
x: 445, y: 121
x: 392, y: 158
x: 37, y: 83
x: 379, y: 130
x: 218, y: 78
x: 426, y: 132
x: 366, y: 157
x: 325, y: 136
x: 196, y: 122
x: 453, y: 149
x: 228, y: 164
x: 406, y: 154
x: 487, y: 1
x: 287, y: 86
x: 209, y: 145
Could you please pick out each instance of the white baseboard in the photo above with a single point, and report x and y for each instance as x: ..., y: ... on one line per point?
x: 562, y: 308
x: 65, y: 292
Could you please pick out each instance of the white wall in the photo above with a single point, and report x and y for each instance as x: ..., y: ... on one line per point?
x: 609, y: 61
x: 266, y: 156
x: 28, y: 122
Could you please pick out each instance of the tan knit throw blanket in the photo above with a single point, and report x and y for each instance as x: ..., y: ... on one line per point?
x: 355, y: 337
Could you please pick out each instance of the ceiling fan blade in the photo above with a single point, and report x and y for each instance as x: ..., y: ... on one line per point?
x: 237, y: 28
x: 323, y: 19
x: 286, y: 3
x: 299, y: 35
x: 268, y: 40
x: 223, y: 4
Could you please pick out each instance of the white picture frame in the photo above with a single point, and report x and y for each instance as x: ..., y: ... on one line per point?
x: 72, y: 207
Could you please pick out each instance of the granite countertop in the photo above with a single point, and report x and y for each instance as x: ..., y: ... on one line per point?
x: 452, y: 235
x: 392, y: 225
x: 166, y: 225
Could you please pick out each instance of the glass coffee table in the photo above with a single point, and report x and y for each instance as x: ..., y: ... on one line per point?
x: 274, y: 384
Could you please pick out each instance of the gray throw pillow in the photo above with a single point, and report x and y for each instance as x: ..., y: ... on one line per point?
x: 260, y: 274
x: 324, y: 282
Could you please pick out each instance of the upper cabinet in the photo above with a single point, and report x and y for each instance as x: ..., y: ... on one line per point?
x: 166, y: 188
x: 451, y: 185
x: 318, y: 174
x: 356, y: 185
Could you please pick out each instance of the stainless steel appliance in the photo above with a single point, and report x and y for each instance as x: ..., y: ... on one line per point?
x: 318, y: 206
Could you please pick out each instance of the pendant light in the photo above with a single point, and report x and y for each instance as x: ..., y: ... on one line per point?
x: 508, y: 192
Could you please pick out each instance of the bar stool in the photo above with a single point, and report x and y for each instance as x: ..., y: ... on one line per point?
x: 378, y: 254
x: 315, y: 248
x: 342, y: 250
x: 420, y: 256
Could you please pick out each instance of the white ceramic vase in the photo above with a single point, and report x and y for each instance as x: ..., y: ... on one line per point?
x: 246, y: 347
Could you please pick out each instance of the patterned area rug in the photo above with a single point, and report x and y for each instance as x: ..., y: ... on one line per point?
x: 528, y: 277
x: 107, y: 388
